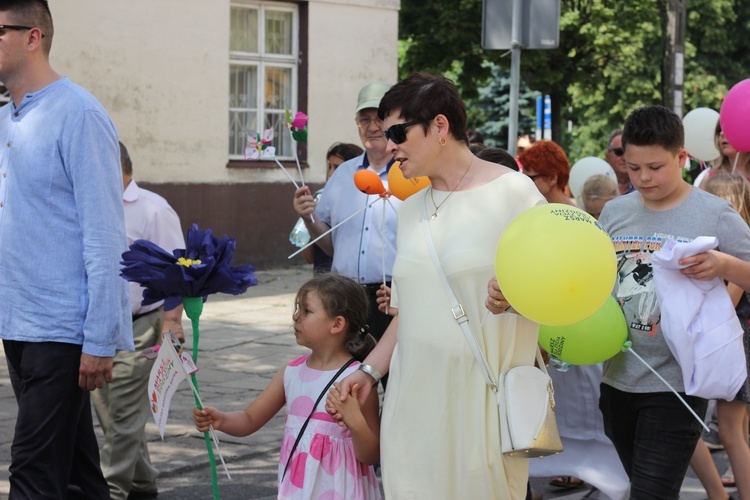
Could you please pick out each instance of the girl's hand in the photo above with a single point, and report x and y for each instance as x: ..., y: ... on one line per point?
x: 350, y: 411
x: 384, y: 301
x: 495, y: 301
x: 206, y: 418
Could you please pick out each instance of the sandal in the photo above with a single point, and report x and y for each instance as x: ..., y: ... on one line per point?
x: 567, y: 482
x: 727, y: 479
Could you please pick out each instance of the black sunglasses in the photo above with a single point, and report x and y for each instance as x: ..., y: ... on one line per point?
x: 618, y: 151
x: 397, y: 133
x: 15, y: 27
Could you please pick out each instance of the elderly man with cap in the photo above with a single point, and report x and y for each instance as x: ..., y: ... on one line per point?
x: 358, y: 247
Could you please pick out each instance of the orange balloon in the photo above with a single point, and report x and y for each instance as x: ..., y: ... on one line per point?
x: 368, y: 182
x: 400, y: 186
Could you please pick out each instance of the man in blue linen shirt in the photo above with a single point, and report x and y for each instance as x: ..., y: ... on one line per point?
x: 64, y: 310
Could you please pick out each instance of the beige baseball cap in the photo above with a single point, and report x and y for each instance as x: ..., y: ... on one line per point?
x: 370, y: 95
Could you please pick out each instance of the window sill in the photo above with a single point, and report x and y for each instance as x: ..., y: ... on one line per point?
x: 265, y: 164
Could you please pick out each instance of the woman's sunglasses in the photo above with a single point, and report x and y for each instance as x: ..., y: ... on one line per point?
x: 397, y: 133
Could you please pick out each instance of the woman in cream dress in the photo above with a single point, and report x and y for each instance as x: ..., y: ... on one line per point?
x: 440, y: 430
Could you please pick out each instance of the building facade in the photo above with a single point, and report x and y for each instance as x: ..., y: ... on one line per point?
x: 185, y: 80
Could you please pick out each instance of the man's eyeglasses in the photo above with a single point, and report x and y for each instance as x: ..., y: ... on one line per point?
x: 617, y: 151
x: 4, y: 27
x: 397, y: 133
x: 534, y: 176
x: 365, y: 121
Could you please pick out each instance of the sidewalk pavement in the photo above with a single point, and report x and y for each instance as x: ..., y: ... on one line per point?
x: 244, y: 341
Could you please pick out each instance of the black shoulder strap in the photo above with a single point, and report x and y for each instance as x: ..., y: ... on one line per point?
x: 307, y: 421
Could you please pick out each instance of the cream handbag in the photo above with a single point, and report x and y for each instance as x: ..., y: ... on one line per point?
x: 524, y: 394
x: 526, y: 402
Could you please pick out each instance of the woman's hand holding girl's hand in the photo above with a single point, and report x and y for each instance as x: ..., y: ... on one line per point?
x: 206, y: 418
x: 361, y: 418
x: 344, y: 390
x: 495, y: 301
x: 350, y: 411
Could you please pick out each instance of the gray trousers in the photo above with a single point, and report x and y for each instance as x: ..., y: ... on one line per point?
x: 123, y: 410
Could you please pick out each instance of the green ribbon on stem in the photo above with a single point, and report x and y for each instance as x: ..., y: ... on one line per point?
x: 193, y: 310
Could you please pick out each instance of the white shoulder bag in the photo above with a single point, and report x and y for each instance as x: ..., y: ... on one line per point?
x: 524, y: 394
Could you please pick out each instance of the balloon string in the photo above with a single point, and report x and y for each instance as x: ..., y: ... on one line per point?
x: 382, y: 233
x: 388, y: 199
x: 736, y: 158
x: 700, y: 421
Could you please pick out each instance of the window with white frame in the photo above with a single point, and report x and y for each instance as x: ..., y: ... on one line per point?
x: 263, y: 69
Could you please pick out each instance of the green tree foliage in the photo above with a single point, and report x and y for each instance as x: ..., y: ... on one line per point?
x: 609, y: 61
x: 490, y: 110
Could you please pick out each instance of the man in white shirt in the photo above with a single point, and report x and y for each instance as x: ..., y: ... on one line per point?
x: 364, y: 247
x: 122, y: 404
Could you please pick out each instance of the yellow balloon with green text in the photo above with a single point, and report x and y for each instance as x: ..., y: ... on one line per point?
x: 555, y: 264
x: 595, y: 339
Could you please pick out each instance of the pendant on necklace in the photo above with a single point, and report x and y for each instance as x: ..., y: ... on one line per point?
x: 434, y: 216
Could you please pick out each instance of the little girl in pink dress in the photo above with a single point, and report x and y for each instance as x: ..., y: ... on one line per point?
x: 328, y: 461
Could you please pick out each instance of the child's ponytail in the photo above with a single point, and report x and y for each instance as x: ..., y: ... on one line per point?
x: 360, y: 345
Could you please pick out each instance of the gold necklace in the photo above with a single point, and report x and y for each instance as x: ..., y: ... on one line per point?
x: 438, y: 205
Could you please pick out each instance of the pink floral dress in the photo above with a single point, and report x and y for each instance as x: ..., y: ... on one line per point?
x: 324, y: 466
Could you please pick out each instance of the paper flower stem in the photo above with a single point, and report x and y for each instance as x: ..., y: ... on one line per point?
x: 299, y: 169
x: 286, y: 172
x: 193, y: 310
x: 296, y: 157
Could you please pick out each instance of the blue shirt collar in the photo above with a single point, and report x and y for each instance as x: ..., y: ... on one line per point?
x: 366, y: 163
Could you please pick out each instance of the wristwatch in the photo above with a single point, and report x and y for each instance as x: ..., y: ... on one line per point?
x: 371, y: 371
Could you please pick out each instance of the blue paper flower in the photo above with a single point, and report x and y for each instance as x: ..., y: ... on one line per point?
x: 199, y: 270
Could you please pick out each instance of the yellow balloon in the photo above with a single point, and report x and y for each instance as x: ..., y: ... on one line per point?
x: 555, y: 264
x: 400, y: 186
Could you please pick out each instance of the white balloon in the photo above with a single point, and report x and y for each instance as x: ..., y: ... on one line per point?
x: 700, y: 126
x: 585, y: 168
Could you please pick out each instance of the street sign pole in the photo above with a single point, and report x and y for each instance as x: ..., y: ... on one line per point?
x: 516, y: 25
x: 515, y: 75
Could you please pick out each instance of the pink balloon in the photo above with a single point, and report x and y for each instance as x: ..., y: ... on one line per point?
x: 734, y: 114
